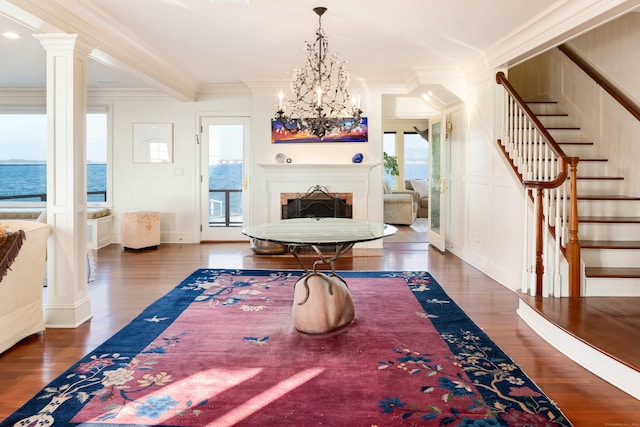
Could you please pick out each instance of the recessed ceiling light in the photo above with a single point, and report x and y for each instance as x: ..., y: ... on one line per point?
x: 11, y: 35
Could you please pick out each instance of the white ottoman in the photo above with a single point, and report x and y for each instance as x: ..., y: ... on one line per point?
x: 139, y: 230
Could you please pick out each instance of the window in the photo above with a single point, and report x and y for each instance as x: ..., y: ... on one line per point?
x: 389, y: 147
x: 23, y: 156
x: 416, y: 156
x: 411, y: 149
x: 97, y: 137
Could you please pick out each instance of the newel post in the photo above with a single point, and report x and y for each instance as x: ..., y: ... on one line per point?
x: 573, y: 246
x: 539, y: 240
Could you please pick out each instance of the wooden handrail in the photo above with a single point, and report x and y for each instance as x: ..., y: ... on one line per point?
x: 563, y: 158
x: 601, y: 80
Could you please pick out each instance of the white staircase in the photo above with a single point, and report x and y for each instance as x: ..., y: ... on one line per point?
x: 609, y: 221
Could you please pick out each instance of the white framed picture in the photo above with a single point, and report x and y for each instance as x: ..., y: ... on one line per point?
x: 153, y: 142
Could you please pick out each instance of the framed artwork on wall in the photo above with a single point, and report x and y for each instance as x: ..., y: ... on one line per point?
x: 280, y: 135
x: 153, y: 142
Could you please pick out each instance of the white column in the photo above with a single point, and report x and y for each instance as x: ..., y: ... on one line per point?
x: 68, y: 304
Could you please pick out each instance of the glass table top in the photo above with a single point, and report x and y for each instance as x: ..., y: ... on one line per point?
x: 319, y: 231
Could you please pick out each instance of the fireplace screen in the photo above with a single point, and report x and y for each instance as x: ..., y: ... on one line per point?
x: 318, y: 202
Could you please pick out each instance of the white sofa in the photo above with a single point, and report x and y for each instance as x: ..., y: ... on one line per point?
x: 21, y: 289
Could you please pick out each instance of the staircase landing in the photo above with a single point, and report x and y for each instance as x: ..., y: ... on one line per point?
x: 592, y: 320
x: 601, y: 334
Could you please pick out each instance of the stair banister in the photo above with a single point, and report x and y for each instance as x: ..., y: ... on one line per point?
x: 543, y: 168
x: 617, y: 94
x: 605, y: 83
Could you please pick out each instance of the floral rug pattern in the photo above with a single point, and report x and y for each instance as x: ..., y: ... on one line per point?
x: 220, y: 350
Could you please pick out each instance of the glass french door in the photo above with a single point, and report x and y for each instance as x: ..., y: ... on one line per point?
x: 223, y: 143
x: 437, y: 184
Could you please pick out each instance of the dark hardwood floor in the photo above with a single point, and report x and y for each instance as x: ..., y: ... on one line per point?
x: 126, y: 282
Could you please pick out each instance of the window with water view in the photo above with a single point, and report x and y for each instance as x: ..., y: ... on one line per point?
x: 23, y: 155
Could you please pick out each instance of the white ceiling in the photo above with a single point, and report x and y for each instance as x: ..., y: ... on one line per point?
x: 240, y: 41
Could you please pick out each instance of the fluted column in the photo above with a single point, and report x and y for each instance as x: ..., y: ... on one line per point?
x: 68, y: 304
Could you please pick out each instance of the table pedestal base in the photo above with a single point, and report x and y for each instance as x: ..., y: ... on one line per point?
x: 321, y: 303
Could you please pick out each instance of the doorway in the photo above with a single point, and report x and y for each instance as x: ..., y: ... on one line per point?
x: 222, y: 152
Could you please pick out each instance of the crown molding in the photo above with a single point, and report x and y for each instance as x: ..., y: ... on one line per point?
x: 223, y: 89
x: 113, y: 44
x: 557, y: 24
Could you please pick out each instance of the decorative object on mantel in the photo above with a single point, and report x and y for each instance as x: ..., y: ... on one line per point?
x: 321, y: 108
x: 357, y: 158
x: 280, y: 158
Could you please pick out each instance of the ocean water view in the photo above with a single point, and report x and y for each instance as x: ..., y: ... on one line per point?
x: 31, y: 179
x: 225, y: 176
x: 22, y: 180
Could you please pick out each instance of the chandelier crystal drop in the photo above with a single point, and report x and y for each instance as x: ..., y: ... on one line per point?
x: 321, y: 104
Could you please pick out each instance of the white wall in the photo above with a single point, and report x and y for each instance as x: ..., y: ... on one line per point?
x: 485, y: 203
x: 173, y: 189
x: 170, y: 188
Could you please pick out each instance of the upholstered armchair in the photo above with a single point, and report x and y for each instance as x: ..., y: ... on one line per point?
x: 400, y: 206
x: 21, y: 286
x: 420, y: 186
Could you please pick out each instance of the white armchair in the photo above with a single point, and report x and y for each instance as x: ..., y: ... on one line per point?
x: 21, y: 289
x: 399, y: 206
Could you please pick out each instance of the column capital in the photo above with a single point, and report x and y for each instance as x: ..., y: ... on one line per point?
x: 64, y: 42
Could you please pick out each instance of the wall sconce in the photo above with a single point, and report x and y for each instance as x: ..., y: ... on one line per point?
x: 448, y: 127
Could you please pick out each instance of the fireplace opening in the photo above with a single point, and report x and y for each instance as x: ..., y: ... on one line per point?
x: 318, y: 202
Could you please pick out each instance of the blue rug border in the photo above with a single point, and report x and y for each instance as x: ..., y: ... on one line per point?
x: 174, y: 302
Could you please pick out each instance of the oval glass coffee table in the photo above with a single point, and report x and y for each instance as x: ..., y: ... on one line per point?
x: 322, y: 302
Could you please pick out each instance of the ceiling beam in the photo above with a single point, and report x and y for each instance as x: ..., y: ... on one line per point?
x: 113, y: 44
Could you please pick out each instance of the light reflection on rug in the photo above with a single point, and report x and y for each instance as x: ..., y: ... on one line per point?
x: 220, y: 350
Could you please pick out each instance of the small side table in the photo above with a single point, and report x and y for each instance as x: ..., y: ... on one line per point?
x: 140, y: 230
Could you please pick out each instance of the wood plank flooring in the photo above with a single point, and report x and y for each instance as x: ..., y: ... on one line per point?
x: 592, y: 320
x: 127, y: 282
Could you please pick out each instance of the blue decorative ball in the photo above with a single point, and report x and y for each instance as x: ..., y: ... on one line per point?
x: 357, y: 158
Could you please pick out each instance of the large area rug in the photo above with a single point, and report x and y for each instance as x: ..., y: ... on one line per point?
x: 220, y: 349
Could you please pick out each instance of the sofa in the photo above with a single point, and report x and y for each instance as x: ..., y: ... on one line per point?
x: 420, y: 186
x: 21, y: 312
x: 400, y: 207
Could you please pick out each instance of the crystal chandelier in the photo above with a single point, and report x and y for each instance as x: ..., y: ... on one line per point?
x: 321, y: 105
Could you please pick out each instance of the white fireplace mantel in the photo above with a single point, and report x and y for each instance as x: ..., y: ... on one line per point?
x: 352, y: 178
